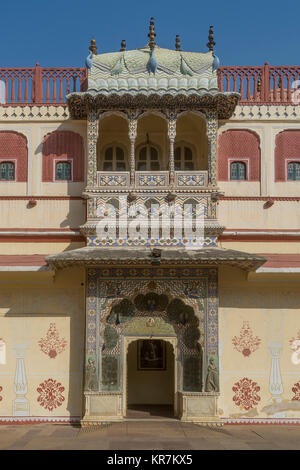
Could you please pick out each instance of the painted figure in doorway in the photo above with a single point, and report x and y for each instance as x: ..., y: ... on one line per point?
x: 91, y: 379
x: 212, y: 377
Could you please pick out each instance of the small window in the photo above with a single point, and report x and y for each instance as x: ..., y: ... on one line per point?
x: 183, y: 157
x: 7, y: 171
x: 114, y: 159
x: 63, y: 171
x: 237, y: 171
x: 148, y: 159
x: 293, y: 171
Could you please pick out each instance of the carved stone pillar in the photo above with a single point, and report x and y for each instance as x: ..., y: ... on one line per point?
x: 212, y: 129
x: 92, y: 137
x: 132, y: 138
x: 172, y: 135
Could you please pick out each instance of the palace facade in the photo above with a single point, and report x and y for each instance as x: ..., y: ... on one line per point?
x: 150, y: 239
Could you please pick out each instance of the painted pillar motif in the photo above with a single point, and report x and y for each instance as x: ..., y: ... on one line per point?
x: 172, y: 135
x: 21, y: 403
x: 91, y: 382
x: 212, y: 128
x: 92, y: 137
x: 275, y: 348
x: 132, y: 137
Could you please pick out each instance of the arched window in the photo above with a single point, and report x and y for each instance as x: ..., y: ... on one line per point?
x: 7, y: 171
x: 114, y: 159
x: 59, y: 146
x: 183, y: 157
x: 287, y: 155
x: 293, y: 173
x: 237, y: 171
x: 63, y: 171
x: 147, y: 159
x: 236, y: 145
x: 13, y: 157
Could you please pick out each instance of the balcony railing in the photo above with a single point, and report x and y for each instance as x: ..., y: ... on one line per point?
x: 267, y: 84
x: 40, y: 85
x: 43, y: 85
x: 149, y: 180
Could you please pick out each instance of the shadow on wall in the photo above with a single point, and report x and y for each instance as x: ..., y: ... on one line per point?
x: 235, y: 291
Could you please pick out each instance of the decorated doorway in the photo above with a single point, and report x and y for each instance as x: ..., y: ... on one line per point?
x: 171, y: 317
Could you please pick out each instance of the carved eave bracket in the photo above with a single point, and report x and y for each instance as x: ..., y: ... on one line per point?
x: 83, y: 103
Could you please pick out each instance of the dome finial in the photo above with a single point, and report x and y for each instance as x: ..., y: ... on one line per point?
x: 93, y: 47
x: 211, y: 43
x: 177, y: 43
x: 151, y: 35
x: 123, y: 45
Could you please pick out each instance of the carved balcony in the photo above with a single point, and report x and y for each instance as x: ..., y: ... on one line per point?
x: 151, y: 180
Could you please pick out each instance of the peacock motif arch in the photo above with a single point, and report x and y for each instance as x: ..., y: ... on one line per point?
x: 129, y: 306
x: 174, y: 315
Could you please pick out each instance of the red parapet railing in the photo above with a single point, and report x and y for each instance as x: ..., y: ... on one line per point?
x: 40, y: 85
x: 266, y: 84
x: 44, y: 85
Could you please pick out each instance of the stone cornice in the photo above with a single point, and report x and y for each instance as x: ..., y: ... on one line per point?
x: 34, y: 113
x: 241, y: 113
x: 266, y: 112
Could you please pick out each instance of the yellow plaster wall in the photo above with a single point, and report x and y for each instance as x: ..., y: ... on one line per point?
x: 250, y: 214
x: 263, y: 247
x: 273, y: 312
x: 40, y: 248
x: 48, y: 213
x: 26, y: 312
x: 240, y: 188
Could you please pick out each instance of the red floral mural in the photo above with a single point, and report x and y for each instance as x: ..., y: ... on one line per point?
x: 1, y: 388
x: 246, y: 343
x: 246, y: 393
x: 52, y: 344
x: 296, y: 391
x: 50, y: 394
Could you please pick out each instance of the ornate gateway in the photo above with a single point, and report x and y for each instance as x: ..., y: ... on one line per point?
x: 152, y: 251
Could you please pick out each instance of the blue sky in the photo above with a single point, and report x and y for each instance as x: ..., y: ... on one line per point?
x: 58, y: 32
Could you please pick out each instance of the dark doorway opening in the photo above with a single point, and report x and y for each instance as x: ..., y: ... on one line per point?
x: 150, y: 379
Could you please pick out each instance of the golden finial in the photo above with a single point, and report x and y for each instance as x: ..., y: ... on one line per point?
x: 151, y: 35
x: 211, y: 43
x: 123, y: 45
x: 177, y: 43
x: 93, y: 47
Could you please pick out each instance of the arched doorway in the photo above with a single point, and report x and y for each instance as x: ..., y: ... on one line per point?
x: 150, y: 379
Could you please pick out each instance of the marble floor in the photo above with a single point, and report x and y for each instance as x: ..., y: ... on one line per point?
x: 153, y: 435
